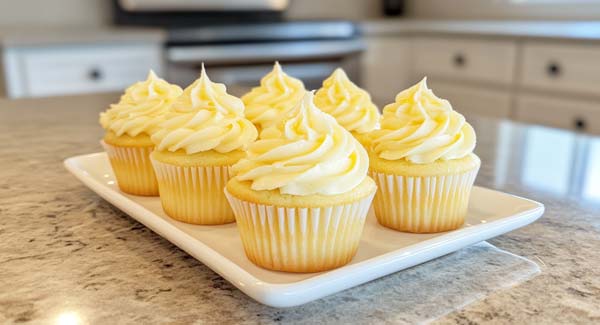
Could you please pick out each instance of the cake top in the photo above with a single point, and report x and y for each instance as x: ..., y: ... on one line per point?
x: 205, y: 118
x: 422, y: 128
x: 349, y: 104
x: 276, y: 95
x: 141, y: 107
x: 306, y: 153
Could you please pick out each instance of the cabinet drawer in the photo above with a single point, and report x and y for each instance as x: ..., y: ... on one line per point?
x: 467, y: 59
x: 567, y: 114
x: 84, y: 69
x: 469, y: 100
x: 562, y: 67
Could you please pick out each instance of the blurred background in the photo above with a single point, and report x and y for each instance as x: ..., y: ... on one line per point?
x: 536, y: 61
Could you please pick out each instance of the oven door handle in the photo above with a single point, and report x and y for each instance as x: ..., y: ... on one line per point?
x: 263, y: 52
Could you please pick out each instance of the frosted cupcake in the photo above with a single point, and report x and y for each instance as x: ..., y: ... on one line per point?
x: 422, y: 160
x: 205, y: 132
x: 349, y: 104
x: 129, y: 125
x: 302, y: 195
x: 277, y: 94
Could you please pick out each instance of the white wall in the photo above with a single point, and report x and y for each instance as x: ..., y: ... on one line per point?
x: 504, y: 9
x: 97, y: 12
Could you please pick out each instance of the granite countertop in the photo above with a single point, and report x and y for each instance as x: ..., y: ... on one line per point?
x: 66, y: 254
x: 574, y: 30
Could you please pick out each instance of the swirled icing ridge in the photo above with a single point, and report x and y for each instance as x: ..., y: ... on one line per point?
x: 422, y: 128
x: 308, y: 153
x: 205, y: 118
x: 141, y: 107
x: 277, y: 94
x: 350, y: 105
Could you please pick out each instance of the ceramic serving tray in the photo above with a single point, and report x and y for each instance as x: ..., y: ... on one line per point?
x: 382, y: 251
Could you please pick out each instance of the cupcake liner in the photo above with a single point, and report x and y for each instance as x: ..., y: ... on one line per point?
x: 194, y: 194
x: 300, y: 239
x: 133, y: 169
x: 422, y: 204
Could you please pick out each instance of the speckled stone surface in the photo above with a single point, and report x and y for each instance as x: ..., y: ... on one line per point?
x: 65, y: 253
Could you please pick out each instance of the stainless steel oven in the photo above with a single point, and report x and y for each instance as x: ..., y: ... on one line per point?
x: 240, y: 55
x: 239, y: 40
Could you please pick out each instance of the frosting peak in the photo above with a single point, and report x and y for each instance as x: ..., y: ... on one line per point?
x: 141, y: 107
x: 422, y: 128
x: 277, y: 94
x: 350, y: 105
x: 205, y: 118
x: 207, y: 95
x: 308, y: 153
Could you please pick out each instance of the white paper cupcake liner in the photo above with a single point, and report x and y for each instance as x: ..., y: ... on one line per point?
x: 300, y: 239
x: 133, y: 169
x: 194, y: 194
x: 422, y: 204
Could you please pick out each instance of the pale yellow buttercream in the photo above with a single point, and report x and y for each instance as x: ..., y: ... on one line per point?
x: 277, y: 94
x: 205, y: 118
x: 421, y: 128
x: 141, y: 108
x: 349, y: 104
x: 306, y: 153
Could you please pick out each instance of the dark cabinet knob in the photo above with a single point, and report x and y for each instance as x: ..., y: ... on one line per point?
x: 459, y: 60
x: 579, y: 124
x: 553, y: 69
x: 95, y: 74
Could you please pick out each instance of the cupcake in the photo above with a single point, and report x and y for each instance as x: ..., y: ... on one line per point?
x: 204, y: 133
x: 423, y: 163
x: 277, y: 94
x: 301, y: 196
x: 129, y: 125
x: 350, y: 105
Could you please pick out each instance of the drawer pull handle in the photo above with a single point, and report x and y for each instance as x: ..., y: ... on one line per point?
x: 553, y: 69
x: 95, y: 74
x: 459, y: 60
x: 579, y: 124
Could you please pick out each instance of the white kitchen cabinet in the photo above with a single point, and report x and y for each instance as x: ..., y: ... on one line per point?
x: 386, y: 67
x: 473, y: 100
x: 549, y: 82
x: 561, y: 67
x: 35, y: 71
x: 566, y: 113
x: 489, y: 61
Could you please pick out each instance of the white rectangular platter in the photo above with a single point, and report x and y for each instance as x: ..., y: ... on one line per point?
x: 382, y: 251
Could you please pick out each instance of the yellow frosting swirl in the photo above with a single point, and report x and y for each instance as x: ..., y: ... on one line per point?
x: 205, y: 118
x: 350, y: 105
x: 308, y: 153
x: 277, y: 94
x: 422, y: 128
x: 141, y: 107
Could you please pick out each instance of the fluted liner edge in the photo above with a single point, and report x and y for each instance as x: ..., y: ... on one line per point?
x: 194, y: 194
x: 133, y: 169
x: 300, y: 239
x: 422, y: 204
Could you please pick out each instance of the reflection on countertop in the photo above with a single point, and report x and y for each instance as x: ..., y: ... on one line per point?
x: 558, y: 163
x: 67, y: 255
